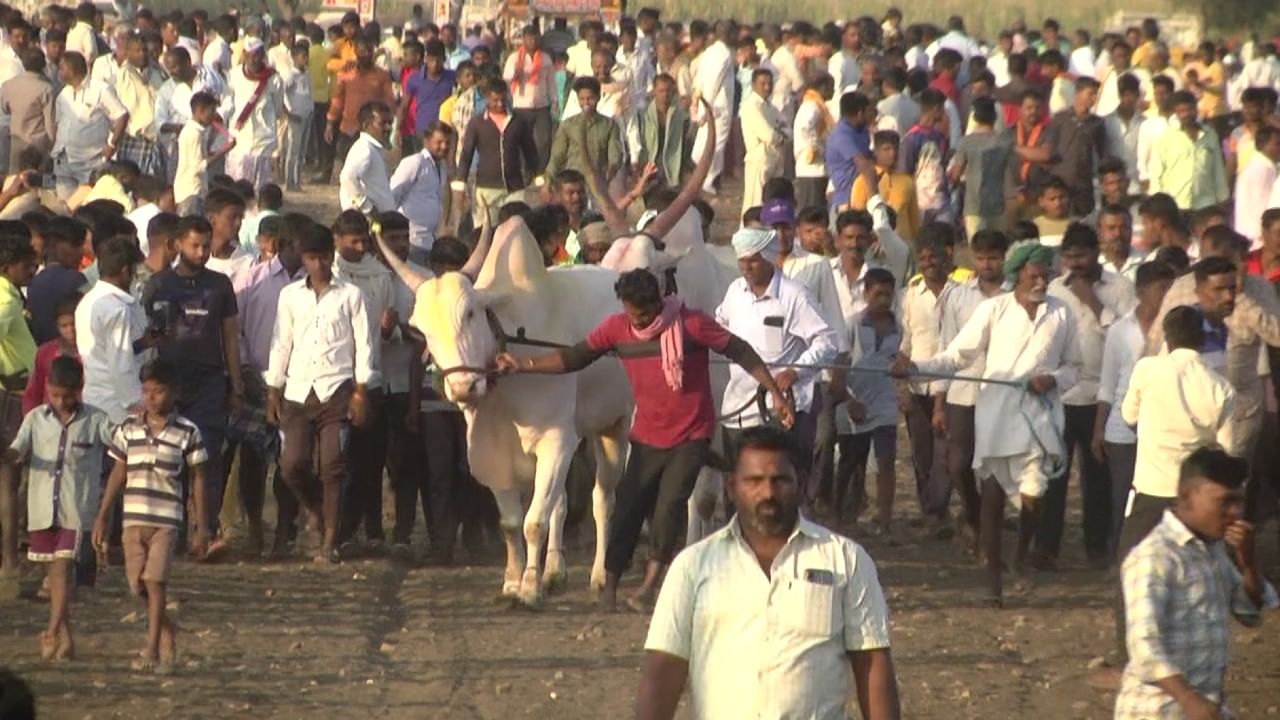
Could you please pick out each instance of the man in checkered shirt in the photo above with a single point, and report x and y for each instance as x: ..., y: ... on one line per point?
x: 1179, y: 585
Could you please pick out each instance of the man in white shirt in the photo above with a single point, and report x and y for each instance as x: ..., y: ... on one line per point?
x: 420, y: 189
x: 763, y: 135
x: 1124, y: 127
x: 1255, y: 182
x: 257, y: 104
x: 921, y: 308
x: 91, y: 122
x: 713, y: 79
x: 1115, y: 242
x: 953, y: 400
x: 111, y: 329
x: 1027, y: 338
x: 1153, y: 127
x: 363, y: 183
x: 813, y: 123
x: 845, y: 67
x: 1113, y: 439
x: 137, y: 84
x: 318, y: 317
x: 818, y: 613
x: 105, y: 67
x: 897, y: 111
x: 779, y: 318
x: 788, y: 80
x: 1179, y: 404
x: 81, y: 38
x: 1097, y: 298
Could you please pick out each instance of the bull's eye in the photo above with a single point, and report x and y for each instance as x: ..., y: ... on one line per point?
x: 469, y: 315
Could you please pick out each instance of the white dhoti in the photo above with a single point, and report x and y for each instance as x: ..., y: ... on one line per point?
x: 255, y: 166
x: 723, y: 127
x: 1017, y: 475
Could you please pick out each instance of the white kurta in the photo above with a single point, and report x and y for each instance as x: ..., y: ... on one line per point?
x: 763, y: 133
x: 1009, y: 423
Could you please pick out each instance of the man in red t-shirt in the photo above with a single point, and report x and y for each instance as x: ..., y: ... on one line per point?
x: 664, y: 348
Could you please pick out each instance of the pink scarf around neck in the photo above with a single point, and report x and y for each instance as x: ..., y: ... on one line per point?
x: 669, y: 331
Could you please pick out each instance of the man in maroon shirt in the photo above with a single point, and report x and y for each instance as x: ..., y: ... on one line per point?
x: 664, y: 349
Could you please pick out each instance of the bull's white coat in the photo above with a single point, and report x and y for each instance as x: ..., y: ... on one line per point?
x: 522, y: 430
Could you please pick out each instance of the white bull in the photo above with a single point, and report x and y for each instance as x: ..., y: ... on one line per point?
x: 523, y: 430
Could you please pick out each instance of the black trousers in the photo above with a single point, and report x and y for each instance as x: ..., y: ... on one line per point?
x: 1143, y: 518
x: 960, y: 440
x: 366, y: 457
x: 657, y: 482
x: 933, y: 486
x: 321, y: 152
x: 1095, y: 486
x: 1121, y: 460
x: 824, y: 441
x: 540, y: 120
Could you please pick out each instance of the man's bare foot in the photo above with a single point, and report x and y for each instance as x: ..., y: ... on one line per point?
x: 1105, y: 678
x: 640, y: 604
x: 145, y: 662
x: 326, y: 554
x: 217, y: 547
x: 66, y: 647
x: 168, y: 642
x: 48, y: 645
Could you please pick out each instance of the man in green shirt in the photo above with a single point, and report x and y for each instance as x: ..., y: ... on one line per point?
x: 17, y: 346
x: 601, y: 136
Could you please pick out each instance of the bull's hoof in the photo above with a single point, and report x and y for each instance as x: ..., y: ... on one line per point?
x: 530, y: 594
x: 553, y: 583
x: 597, y: 584
x: 510, y: 590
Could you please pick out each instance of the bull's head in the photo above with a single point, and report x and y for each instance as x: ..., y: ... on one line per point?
x: 451, y: 313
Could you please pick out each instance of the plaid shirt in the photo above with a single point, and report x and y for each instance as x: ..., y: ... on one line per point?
x: 1178, y: 591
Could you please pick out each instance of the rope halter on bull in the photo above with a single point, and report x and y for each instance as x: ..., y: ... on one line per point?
x: 1052, y: 465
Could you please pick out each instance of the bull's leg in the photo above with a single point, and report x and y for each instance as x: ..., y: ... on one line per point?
x: 611, y: 449
x: 702, y: 504
x: 509, y: 508
x: 556, y: 573
x: 554, y: 451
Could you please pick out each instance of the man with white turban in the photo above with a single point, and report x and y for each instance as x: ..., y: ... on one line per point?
x: 1026, y: 337
x: 779, y: 318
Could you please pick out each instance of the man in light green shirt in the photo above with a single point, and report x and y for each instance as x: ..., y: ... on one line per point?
x: 1186, y: 160
x: 17, y: 346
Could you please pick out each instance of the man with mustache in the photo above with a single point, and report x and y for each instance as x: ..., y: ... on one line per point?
x: 1029, y: 337
x: 773, y: 597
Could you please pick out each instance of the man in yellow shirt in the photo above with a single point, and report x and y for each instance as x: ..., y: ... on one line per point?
x: 343, y: 55
x: 17, y: 346
x: 320, y: 156
x: 897, y: 189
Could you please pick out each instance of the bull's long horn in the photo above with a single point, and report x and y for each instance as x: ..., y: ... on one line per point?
x: 613, y: 217
x: 481, y: 250
x: 411, y: 277
x: 668, y: 218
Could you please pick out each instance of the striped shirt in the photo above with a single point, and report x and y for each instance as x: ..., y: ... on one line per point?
x: 155, y: 467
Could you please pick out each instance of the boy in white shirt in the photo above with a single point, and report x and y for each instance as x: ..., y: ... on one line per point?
x: 190, y: 183
x: 299, y: 106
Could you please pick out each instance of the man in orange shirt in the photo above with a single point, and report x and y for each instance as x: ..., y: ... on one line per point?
x: 342, y: 58
x: 355, y: 88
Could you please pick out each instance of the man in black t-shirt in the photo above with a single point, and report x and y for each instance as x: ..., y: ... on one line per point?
x: 196, y: 310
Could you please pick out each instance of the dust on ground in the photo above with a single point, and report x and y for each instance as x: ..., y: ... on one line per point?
x: 371, y: 638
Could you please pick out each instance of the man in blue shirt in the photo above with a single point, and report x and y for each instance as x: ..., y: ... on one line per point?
x: 849, y: 148
x: 430, y: 88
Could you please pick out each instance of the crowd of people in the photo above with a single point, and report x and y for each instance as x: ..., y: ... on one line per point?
x: 1038, y: 252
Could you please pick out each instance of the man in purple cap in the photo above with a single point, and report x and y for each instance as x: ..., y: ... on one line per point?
x: 815, y: 273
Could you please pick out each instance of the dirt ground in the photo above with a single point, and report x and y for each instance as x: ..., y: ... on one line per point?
x: 374, y: 639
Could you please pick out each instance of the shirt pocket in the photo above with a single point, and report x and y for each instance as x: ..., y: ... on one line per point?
x: 772, y: 335
x: 810, y: 609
